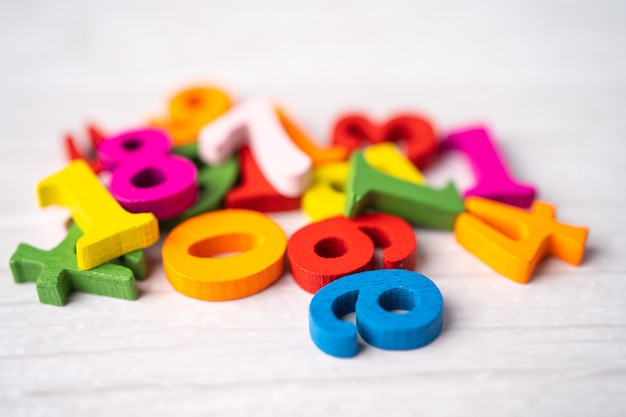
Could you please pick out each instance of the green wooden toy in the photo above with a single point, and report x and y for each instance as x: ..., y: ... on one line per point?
x: 214, y: 182
x: 57, y: 275
x: 189, y: 151
x: 420, y: 205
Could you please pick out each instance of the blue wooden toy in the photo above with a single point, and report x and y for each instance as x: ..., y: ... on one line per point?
x: 374, y: 296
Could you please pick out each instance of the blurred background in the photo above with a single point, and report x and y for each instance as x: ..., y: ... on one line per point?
x: 501, y: 61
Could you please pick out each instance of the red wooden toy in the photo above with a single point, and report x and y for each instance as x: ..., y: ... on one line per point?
x: 72, y: 151
x: 417, y: 133
x: 254, y: 192
x: 325, y: 251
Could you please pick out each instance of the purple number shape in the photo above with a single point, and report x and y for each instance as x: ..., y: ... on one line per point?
x: 493, y: 180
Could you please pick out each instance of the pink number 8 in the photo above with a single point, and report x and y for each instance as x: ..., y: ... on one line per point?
x: 146, y: 178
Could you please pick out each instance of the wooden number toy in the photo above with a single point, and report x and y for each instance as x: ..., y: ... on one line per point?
x: 418, y: 204
x: 417, y: 133
x: 326, y: 198
x: 146, y: 178
x: 307, y: 145
x: 191, y: 254
x: 325, y: 251
x: 284, y: 165
x: 492, y: 175
x: 74, y: 153
x: 512, y: 241
x: 374, y: 296
x: 386, y: 158
x: 57, y: 274
x: 110, y: 231
x: 254, y: 192
x: 190, y: 110
x: 214, y: 183
x: 189, y: 151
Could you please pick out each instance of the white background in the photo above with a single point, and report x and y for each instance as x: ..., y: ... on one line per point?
x: 548, y: 77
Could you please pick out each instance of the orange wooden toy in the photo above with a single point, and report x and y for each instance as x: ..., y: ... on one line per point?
x: 192, y: 262
x: 307, y: 145
x: 190, y: 110
x: 512, y: 241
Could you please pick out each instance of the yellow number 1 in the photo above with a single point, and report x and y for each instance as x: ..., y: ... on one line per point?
x: 109, y: 230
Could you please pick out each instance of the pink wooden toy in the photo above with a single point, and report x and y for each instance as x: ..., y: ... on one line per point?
x: 493, y: 180
x: 255, y: 122
x: 146, y: 178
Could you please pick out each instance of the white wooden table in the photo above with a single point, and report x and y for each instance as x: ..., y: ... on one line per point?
x: 548, y: 77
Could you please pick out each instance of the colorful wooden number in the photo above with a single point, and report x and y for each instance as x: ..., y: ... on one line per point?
x: 73, y: 152
x: 191, y: 254
x: 492, y: 175
x: 375, y: 297
x: 254, y: 192
x: 325, y: 251
x: 386, y: 158
x: 214, y: 183
x: 189, y: 151
x: 146, y: 178
x: 418, y: 204
x: 326, y: 197
x: 57, y: 274
x: 284, y: 165
x: 418, y: 135
x: 512, y: 241
x: 190, y: 110
x: 110, y: 231
x: 303, y: 140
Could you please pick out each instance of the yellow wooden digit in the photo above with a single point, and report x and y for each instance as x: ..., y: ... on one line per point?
x: 386, y: 158
x: 109, y: 230
x: 326, y: 198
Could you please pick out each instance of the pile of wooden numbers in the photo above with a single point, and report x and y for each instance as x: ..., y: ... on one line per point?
x: 205, y: 174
